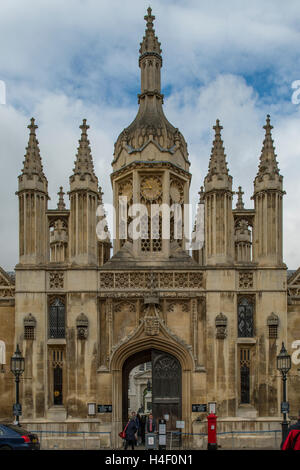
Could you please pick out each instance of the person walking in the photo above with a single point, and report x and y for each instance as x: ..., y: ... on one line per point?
x: 292, y: 442
x: 151, y: 426
x: 131, y: 430
x: 139, y: 431
x: 137, y: 423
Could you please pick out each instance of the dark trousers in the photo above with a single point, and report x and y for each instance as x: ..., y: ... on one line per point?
x: 131, y: 442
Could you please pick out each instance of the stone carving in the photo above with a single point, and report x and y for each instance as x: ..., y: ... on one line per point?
x: 195, y: 280
x: 7, y: 292
x: 245, y: 280
x: 166, y: 280
x: 107, y: 280
x: 184, y: 305
x: 56, y: 280
x: 82, y: 324
x: 221, y: 325
x: 121, y: 280
x: 294, y: 292
x: 137, y: 281
x: 181, y: 280
x: 151, y: 321
x: 130, y: 307
x: 273, y: 320
x: 3, y: 282
x: 152, y: 328
x: 153, y: 280
x: 30, y: 320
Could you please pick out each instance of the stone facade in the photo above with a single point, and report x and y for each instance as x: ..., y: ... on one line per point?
x: 212, y: 309
x: 7, y: 337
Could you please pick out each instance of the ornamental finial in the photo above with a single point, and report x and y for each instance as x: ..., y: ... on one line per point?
x: 149, y: 18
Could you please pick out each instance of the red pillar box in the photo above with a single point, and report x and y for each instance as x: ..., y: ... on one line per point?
x: 212, y: 432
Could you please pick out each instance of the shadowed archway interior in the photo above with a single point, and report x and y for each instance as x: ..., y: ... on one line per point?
x: 166, y: 384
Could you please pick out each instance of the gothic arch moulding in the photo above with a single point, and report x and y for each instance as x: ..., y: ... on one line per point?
x: 152, y: 333
x: 140, y: 340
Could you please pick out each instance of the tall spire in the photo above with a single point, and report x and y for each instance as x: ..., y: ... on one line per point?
x: 150, y: 123
x: 33, y: 163
x: 61, y: 206
x: 268, y: 164
x: 268, y: 193
x: 218, y: 205
x: 150, y: 60
x: 240, y: 203
x: 217, y: 163
x: 150, y: 42
x: 84, y: 161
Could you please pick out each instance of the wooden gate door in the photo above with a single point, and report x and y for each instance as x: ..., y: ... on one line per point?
x: 166, y: 388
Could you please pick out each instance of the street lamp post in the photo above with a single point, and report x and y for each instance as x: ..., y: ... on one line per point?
x: 284, y: 365
x: 17, y: 367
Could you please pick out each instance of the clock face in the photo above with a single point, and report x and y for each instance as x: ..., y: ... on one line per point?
x: 126, y: 191
x: 176, y: 192
x: 151, y: 188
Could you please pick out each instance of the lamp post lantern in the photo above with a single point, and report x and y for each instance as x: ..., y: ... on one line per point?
x: 17, y: 367
x: 284, y: 365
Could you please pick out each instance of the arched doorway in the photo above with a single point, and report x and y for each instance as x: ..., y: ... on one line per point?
x: 166, y: 385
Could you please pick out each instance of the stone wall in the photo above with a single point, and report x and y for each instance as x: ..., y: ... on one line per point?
x: 7, y: 334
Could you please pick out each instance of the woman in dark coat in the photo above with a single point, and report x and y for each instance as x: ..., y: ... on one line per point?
x: 130, y: 434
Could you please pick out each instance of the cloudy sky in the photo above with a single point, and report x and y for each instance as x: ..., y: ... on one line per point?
x: 228, y: 59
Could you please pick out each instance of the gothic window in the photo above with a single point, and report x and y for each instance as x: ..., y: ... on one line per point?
x: 245, y: 318
x: 245, y: 375
x: 273, y: 331
x: 273, y: 322
x: 57, y: 319
x: 125, y: 192
x: 151, y: 220
x: 28, y: 332
x: 57, y: 371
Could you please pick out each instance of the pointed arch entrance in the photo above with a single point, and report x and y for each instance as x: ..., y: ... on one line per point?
x: 141, y: 343
x: 166, y: 384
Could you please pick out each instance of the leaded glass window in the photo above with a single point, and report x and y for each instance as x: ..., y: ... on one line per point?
x: 29, y: 332
x: 57, y: 356
x: 57, y: 319
x: 245, y: 375
x: 57, y: 382
x: 245, y: 318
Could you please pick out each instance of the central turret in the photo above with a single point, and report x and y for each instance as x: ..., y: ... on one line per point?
x: 150, y: 124
x: 150, y: 165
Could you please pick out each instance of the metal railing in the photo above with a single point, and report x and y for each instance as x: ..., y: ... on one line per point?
x: 187, y: 444
x: 176, y: 439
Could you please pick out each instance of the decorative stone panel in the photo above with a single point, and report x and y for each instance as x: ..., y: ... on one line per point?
x: 7, y: 293
x: 245, y: 280
x: 151, y: 280
x: 185, y: 306
x: 121, y: 280
x: 56, y: 280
